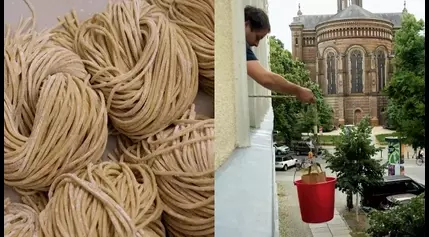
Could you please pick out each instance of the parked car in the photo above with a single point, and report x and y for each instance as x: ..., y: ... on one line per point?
x: 281, y: 149
x: 377, y: 196
x: 302, y: 147
x: 398, y: 199
x: 285, y: 162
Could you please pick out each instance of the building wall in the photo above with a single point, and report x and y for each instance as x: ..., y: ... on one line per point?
x: 259, y: 106
x: 246, y: 199
x: 311, y: 47
x: 235, y: 112
x: 227, y: 72
x: 368, y: 102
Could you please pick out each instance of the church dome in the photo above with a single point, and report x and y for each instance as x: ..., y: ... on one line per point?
x: 354, y: 12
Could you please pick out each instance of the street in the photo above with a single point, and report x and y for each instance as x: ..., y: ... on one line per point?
x: 286, y: 178
x: 411, y: 169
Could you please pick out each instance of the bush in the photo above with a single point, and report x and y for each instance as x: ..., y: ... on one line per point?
x: 405, y: 220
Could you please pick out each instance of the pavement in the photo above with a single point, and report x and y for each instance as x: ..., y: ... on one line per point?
x: 375, y: 131
x: 337, y: 227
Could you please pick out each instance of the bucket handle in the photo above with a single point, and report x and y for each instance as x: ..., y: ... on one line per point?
x: 317, y: 164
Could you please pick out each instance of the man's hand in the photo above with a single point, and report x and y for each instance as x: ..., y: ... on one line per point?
x: 277, y: 83
x: 306, y: 95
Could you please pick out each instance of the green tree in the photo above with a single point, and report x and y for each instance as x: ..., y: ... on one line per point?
x: 353, y: 162
x: 291, y: 117
x: 405, y: 220
x: 391, y: 115
x: 406, y: 90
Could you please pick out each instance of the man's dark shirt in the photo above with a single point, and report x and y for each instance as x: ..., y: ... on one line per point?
x: 250, y: 56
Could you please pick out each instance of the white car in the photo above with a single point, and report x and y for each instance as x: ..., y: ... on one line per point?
x: 285, y: 162
x: 281, y: 149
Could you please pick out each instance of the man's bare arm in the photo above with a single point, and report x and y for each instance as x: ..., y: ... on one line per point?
x: 277, y: 83
x: 271, y: 81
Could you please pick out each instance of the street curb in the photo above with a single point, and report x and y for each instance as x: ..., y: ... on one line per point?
x: 345, y: 222
x: 276, y: 225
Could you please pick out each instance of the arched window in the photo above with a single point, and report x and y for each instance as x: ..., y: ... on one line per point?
x: 381, y: 69
x: 356, y: 60
x: 330, y: 68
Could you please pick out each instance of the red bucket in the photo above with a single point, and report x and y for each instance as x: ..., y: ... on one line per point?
x: 316, y: 201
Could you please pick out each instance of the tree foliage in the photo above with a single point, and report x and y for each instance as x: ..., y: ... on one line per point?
x: 406, y: 90
x: 352, y: 159
x: 291, y: 117
x: 405, y: 220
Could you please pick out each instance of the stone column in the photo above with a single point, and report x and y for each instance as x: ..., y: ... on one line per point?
x: 317, y: 70
x: 340, y: 74
x: 340, y: 102
x: 390, y: 68
x: 321, y: 74
x: 373, y: 105
x: 340, y: 87
x: 373, y: 108
x: 373, y: 74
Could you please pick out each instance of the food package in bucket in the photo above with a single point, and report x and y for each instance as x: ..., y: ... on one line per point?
x: 314, y: 175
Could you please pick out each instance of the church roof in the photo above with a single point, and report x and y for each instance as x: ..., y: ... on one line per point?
x: 353, y: 12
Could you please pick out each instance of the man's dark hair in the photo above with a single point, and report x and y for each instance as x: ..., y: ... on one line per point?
x: 257, y: 18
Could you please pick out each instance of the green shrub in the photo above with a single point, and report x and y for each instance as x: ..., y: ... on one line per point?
x: 405, y: 220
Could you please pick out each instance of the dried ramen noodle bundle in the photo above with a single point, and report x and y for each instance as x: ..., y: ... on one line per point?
x: 20, y: 220
x: 182, y: 159
x: 141, y: 62
x: 196, y: 19
x: 108, y: 199
x: 54, y: 122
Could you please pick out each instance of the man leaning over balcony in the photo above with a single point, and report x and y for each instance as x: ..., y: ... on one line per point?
x: 257, y: 26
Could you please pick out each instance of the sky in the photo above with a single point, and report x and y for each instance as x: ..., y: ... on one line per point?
x: 281, y: 12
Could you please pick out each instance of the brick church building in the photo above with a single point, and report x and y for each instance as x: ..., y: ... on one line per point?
x: 349, y: 54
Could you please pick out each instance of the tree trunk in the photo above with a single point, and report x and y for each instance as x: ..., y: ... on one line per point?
x: 357, y: 207
x: 349, y: 200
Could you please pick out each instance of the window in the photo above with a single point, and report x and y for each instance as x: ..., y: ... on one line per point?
x: 296, y: 40
x: 381, y: 69
x: 356, y: 63
x: 412, y: 187
x: 330, y: 65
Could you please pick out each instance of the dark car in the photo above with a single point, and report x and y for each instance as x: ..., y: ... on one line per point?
x: 303, y: 147
x: 300, y: 147
x: 376, y: 196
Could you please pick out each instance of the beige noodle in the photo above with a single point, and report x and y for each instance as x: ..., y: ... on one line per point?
x: 182, y: 158
x: 54, y: 122
x: 196, y: 19
x: 143, y: 64
x: 37, y: 201
x: 108, y: 199
x: 20, y: 220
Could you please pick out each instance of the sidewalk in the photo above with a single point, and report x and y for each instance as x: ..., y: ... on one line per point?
x: 337, y: 227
